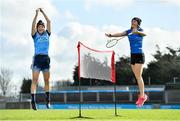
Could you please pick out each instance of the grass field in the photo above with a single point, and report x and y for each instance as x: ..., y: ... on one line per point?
x: 90, y: 115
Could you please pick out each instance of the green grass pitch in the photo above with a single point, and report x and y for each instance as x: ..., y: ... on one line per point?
x: 90, y: 115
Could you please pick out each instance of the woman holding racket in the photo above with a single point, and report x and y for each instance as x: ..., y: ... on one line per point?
x: 135, y: 35
x: 41, y: 60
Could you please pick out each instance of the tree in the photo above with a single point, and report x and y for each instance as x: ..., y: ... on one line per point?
x: 5, y: 78
x: 26, y: 86
x: 75, y: 76
x: 165, y: 66
x: 124, y: 74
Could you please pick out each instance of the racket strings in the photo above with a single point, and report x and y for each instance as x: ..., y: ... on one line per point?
x: 112, y: 42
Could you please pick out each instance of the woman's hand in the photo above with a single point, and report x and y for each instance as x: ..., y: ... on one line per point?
x: 108, y: 35
x: 37, y: 10
x: 41, y: 10
x: 135, y: 32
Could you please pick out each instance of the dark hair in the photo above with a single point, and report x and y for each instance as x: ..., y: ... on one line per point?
x: 138, y: 20
x: 40, y: 22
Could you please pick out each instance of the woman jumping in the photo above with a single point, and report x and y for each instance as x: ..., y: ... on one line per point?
x: 41, y: 60
x: 135, y: 35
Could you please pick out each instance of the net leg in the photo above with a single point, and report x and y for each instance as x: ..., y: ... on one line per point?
x: 80, y: 99
x: 115, y: 103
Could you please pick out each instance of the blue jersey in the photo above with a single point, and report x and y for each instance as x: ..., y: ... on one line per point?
x: 41, y: 43
x: 135, y: 41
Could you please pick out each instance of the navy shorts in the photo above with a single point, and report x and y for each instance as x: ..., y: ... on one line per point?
x: 41, y: 63
x: 137, y: 58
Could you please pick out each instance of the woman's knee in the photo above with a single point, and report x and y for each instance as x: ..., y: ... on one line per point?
x: 46, y: 82
x: 35, y: 76
x: 34, y: 81
x: 138, y: 76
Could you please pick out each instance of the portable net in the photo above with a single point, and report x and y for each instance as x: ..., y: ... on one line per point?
x: 95, y: 64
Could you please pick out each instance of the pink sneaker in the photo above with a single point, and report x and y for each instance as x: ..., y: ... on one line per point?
x: 141, y: 100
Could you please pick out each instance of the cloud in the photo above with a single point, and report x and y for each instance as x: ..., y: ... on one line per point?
x: 70, y: 16
x: 161, y: 37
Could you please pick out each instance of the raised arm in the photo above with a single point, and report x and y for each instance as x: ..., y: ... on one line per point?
x: 33, y: 29
x: 116, y: 34
x: 47, y: 20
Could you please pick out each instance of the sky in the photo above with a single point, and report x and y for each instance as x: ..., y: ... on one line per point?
x: 85, y: 21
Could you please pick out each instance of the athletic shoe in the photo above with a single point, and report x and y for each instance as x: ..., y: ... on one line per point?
x: 47, y: 97
x: 141, y: 100
x: 48, y: 105
x: 48, y: 102
x: 33, y: 104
